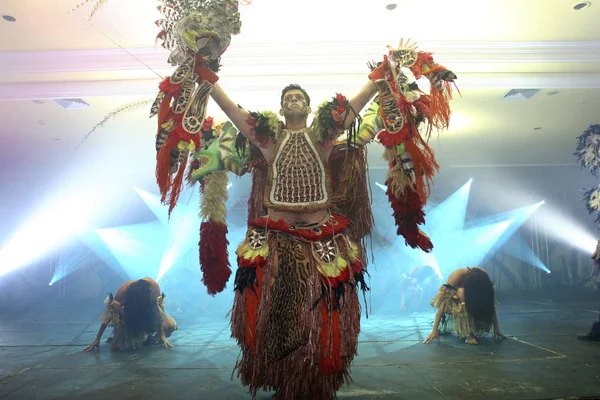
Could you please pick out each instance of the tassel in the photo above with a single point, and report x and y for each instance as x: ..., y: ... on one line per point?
x: 331, y: 361
x: 408, y: 215
x: 177, y: 185
x: 440, y: 105
x: 394, y: 139
x: 163, y: 167
x: 214, y: 197
x: 252, y: 303
x: 214, y: 257
x: 256, y: 208
x: 351, y: 189
x: 440, y: 91
x: 425, y: 167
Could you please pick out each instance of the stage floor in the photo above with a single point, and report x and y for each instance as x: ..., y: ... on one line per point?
x: 42, y: 357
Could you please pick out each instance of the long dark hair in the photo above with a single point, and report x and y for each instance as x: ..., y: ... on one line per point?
x: 479, y: 295
x: 140, y: 310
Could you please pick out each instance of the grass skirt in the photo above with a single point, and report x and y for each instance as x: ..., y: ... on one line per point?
x: 456, y: 317
x: 297, y: 317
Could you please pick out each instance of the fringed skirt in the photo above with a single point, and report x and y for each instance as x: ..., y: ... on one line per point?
x: 296, y: 314
x: 456, y: 318
x: 122, y: 338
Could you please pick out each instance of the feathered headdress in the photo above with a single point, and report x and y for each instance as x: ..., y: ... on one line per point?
x: 197, y: 32
x: 394, y: 119
x: 588, y: 155
x: 588, y: 149
x: 592, y: 201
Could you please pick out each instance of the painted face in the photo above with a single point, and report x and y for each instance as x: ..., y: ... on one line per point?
x: 294, y: 103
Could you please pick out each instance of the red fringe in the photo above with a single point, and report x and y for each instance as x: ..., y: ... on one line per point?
x: 424, y: 242
x: 257, y: 261
x: 423, y: 107
x: 422, y: 58
x: 169, y: 88
x: 163, y: 167
x: 394, y: 139
x: 338, y: 224
x: 214, y: 257
x: 380, y: 72
x: 425, y: 166
x: 331, y: 362
x: 357, y: 266
x: 440, y: 106
x: 205, y: 73
x: 164, y: 111
x: 176, y: 186
x: 194, y: 165
x: 180, y: 133
x: 334, y: 282
x: 252, y: 302
x: 408, y: 215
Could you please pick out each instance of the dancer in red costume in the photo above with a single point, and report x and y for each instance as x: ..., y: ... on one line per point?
x: 296, y: 313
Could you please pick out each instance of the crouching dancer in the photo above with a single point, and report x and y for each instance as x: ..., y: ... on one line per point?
x: 137, y: 315
x: 465, y: 306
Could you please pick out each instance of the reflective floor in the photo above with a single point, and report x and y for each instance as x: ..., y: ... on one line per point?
x: 42, y: 357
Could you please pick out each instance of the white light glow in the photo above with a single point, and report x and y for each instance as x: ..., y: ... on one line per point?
x: 562, y: 228
x: 382, y: 187
x: 45, y: 231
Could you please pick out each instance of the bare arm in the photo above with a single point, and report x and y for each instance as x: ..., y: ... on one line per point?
x: 434, y: 331
x: 402, y: 301
x: 96, y: 342
x: 237, y: 115
x: 359, y: 101
x: 497, y: 333
x: 162, y: 337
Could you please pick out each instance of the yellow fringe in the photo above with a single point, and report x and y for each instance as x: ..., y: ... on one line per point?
x: 246, y: 252
x: 353, y: 253
x: 398, y: 181
x: 212, y: 201
x: 332, y: 269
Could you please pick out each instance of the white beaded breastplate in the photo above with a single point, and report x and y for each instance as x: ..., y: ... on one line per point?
x: 299, y: 176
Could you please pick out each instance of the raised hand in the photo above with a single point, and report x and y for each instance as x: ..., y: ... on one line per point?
x: 405, y: 55
x: 405, y: 46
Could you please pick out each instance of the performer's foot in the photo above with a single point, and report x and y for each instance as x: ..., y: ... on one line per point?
x: 471, y: 340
